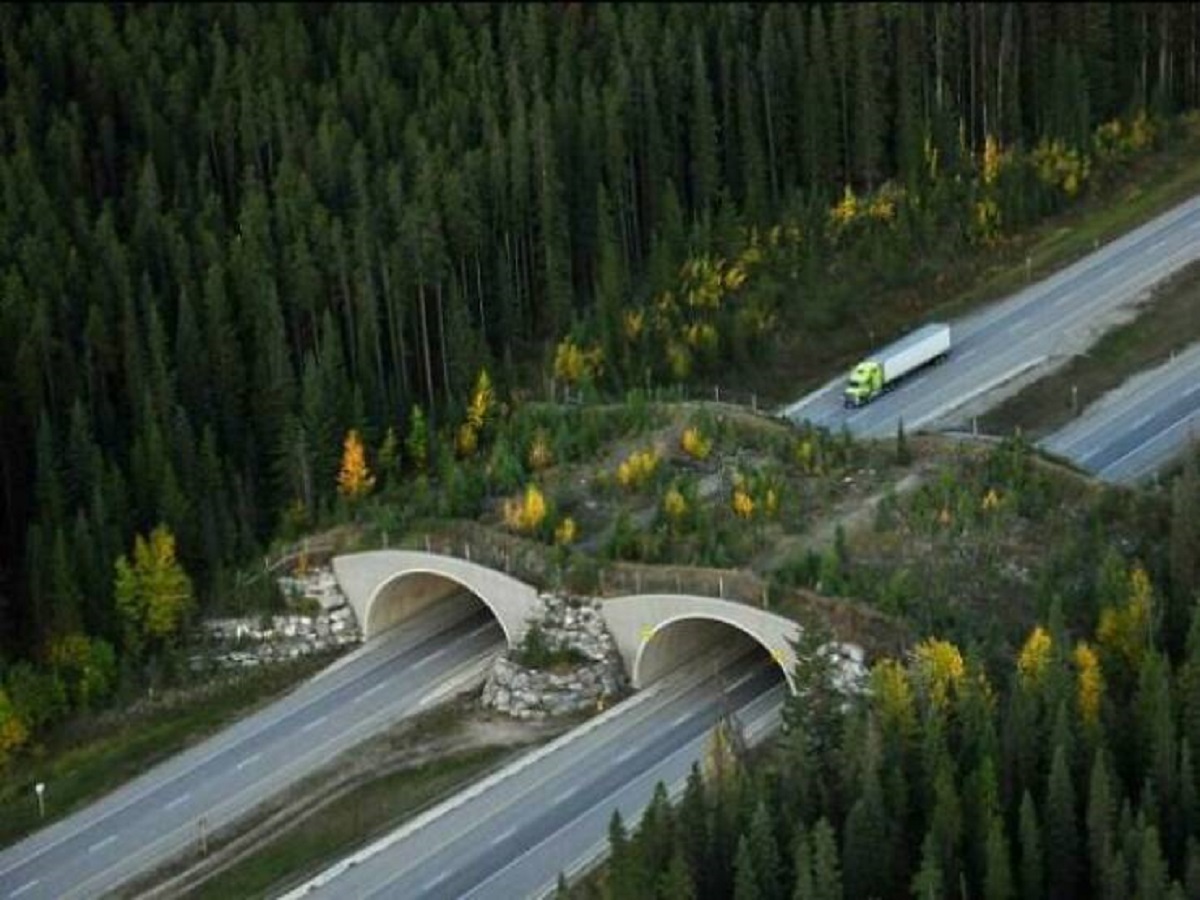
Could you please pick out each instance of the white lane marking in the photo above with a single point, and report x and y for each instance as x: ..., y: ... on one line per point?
x: 628, y: 754
x: 737, y: 684
x: 430, y: 885
x: 484, y: 627
x: 437, y: 653
x: 25, y: 887
x: 104, y: 843
x: 249, y: 760
x: 369, y: 691
x: 174, y: 803
x: 314, y: 723
x: 1142, y: 421
x: 503, y: 836
x: 680, y: 720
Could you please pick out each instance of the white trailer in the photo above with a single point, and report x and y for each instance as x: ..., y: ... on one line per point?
x: 880, y: 370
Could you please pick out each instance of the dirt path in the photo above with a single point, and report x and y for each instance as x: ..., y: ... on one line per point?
x: 851, y: 515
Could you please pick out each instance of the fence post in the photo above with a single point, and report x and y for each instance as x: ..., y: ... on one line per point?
x: 427, y: 545
x: 601, y: 582
x: 766, y: 602
x: 678, y: 584
x: 385, y: 539
x: 721, y: 586
x: 467, y: 548
x: 754, y: 402
x: 507, y: 561
x: 717, y: 393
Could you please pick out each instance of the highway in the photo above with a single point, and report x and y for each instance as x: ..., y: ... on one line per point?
x: 1032, y: 331
x: 511, y: 835
x: 158, y: 815
x: 1129, y: 433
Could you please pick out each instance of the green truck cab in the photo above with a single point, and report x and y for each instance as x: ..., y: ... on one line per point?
x: 883, y: 370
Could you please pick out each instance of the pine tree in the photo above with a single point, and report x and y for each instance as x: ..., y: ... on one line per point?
x: 929, y: 882
x: 1101, y: 814
x: 764, y: 853
x: 1189, y: 681
x: 866, y: 841
x: 702, y: 135
x: 802, y: 866
x: 745, y: 878
x: 868, y: 115
x: 1032, y: 865
x: 998, y: 881
x: 1062, y: 834
x: 827, y: 871
x: 677, y: 882
x: 1152, y: 868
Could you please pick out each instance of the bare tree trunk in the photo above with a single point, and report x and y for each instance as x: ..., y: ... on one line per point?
x: 395, y: 331
x: 442, y: 336
x: 1164, y: 51
x: 479, y: 287
x: 1001, y: 53
x: 767, y: 114
x: 425, y: 343
x: 938, y: 60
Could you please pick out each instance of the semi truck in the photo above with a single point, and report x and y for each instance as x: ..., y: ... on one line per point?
x: 882, y: 370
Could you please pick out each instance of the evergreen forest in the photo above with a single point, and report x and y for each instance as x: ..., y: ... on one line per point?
x: 231, y: 234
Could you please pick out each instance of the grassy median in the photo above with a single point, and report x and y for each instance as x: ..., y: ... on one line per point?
x: 81, y: 765
x: 332, y: 830
x: 1168, y: 324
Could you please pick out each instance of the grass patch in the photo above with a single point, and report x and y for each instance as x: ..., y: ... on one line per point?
x: 78, y: 772
x: 1168, y: 324
x: 347, y: 822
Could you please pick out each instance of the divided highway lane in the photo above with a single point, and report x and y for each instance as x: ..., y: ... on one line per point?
x: 1134, y: 430
x: 511, y: 837
x: 1048, y: 320
x: 156, y: 816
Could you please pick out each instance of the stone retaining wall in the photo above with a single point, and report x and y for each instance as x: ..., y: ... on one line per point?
x: 527, y: 693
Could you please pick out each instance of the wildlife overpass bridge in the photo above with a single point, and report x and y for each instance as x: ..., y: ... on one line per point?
x: 654, y: 633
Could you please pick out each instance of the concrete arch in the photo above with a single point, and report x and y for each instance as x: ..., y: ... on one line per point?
x: 687, y: 636
x: 385, y: 587
x: 683, y: 624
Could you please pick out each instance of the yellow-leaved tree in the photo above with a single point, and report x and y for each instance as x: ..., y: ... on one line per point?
x: 153, y: 593
x: 526, y: 514
x: 355, y: 479
x: 892, y: 695
x: 1034, y: 658
x: 939, y: 670
x: 1090, y: 683
x: 13, y: 732
x: 483, y: 400
x: 1125, y: 631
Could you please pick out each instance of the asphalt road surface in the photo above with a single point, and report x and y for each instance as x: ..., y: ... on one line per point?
x: 1130, y: 433
x: 159, y: 814
x: 511, y: 835
x: 1052, y: 319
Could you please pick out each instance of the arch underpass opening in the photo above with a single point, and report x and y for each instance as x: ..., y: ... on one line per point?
x: 411, y: 593
x: 686, y: 639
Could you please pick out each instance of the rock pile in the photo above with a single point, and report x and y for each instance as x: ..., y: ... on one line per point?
x: 527, y: 693
x: 250, y: 641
